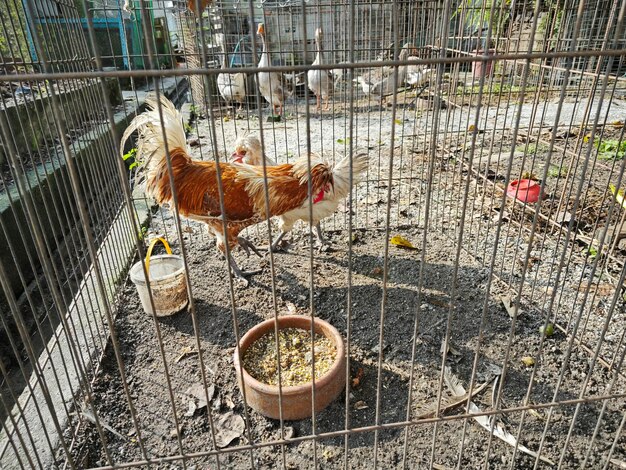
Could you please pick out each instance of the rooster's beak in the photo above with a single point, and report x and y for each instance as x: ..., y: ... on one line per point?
x: 237, y: 157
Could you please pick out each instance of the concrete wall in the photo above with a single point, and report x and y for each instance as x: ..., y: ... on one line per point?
x: 48, y: 186
x: 33, y: 121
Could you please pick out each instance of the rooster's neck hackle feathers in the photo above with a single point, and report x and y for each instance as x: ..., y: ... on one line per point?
x: 287, y: 184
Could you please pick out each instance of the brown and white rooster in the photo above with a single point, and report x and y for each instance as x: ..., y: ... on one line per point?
x: 248, y: 151
x: 196, y: 182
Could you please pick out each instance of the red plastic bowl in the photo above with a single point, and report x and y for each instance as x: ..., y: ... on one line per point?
x: 524, y: 190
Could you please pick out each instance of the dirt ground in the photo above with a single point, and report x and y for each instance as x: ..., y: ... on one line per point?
x: 418, y: 296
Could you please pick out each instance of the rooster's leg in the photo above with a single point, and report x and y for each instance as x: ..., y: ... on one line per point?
x: 326, y: 107
x: 320, y: 237
x: 247, y: 246
x: 317, y: 101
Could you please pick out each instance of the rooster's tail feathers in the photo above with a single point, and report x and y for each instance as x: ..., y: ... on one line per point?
x: 151, y: 147
x: 341, y: 173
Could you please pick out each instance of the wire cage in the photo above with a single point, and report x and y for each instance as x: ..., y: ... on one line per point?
x: 474, y: 268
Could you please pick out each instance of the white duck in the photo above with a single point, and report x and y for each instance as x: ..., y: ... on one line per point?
x: 380, y: 82
x: 417, y: 75
x: 232, y: 86
x: 320, y: 81
x: 272, y: 85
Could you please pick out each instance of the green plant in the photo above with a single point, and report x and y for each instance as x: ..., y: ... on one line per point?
x: 550, y: 23
x: 556, y: 171
x: 129, y: 158
x: 590, y: 251
x: 13, y: 42
x: 188, y: 128
x: 610, y: 149
x: 143, y: 231
x: 479, y: 15
x: 494, y: 88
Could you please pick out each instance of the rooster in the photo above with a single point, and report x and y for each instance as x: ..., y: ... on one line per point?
x: 196, y: 182
x: 248, y: 151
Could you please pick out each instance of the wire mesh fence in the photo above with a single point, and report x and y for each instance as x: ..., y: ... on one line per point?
x: 470, y: 255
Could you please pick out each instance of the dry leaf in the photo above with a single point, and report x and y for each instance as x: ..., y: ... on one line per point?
x: 497, y: 429
x: 600, y: 289
x: 197, y: 391
x: 438, y: 303
x: 451, y: 349
x: 508, y: 305
x: 88, y: 414
x: 356, y: 381
x: 402, y: 242
x: 229, y: 427
x: 618, y: 194
x: 563, y: 217
x: 618, y: 463
x: 184, y: 352
x: 360, y: 405
x: 191, y: 408
x: 377, y: 271
x: 528, y: 361
x: 229, y: 403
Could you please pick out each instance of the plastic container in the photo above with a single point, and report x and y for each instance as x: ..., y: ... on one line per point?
x: 167, y: 281
x: 480, y: 67
x: 296, y: 400
x: 524, y: 190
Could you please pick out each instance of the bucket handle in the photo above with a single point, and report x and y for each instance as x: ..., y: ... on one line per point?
x: 149, y: 252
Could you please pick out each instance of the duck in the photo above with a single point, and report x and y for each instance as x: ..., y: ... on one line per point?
x: 417, y: 75
x: 380, y: 82
x: 232, y: 86
x: 273, y: 85
x: 320, y: 81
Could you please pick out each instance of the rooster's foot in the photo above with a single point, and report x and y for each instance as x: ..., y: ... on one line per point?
x: 278, y: 244
x: 247, y: 246
x: 242, y: 275
x: 323, y: 245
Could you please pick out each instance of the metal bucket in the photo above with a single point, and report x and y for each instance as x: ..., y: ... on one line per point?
x: 167, y: 281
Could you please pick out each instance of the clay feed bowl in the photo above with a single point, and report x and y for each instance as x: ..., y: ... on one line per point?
x: 296, y: 400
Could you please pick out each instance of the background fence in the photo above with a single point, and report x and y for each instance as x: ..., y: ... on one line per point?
x: 491, y: 93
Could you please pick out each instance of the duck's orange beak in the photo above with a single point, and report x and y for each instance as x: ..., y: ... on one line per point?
x: 260, y: 29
